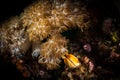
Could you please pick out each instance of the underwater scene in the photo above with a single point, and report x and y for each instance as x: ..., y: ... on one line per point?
x: 60, y: 39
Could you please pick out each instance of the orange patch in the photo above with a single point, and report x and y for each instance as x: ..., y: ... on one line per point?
x: 71, y: 61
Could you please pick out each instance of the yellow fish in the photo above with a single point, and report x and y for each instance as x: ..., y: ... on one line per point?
x: 71, y: 61
x: 115, y: 37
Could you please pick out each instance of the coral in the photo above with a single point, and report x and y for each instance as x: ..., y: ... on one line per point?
x: 43, y: 21
x: 13, y: 38
x: 51, y: 51
x: 35, y: 37
x: 56, y: 17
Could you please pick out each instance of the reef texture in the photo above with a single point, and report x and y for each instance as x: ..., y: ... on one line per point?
x: 58, y: 16
x: 36, y: 44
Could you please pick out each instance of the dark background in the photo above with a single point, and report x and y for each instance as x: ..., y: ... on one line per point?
x: 15, y: 7
x: 10, y: 8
